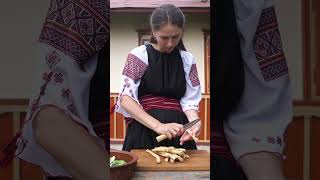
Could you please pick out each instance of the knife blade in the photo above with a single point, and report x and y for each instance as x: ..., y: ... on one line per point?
x: 185, y: 127
x: 190, y: 124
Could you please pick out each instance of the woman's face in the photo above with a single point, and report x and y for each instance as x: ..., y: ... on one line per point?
x: 168, y: 37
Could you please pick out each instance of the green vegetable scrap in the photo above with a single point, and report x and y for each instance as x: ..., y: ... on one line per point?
x: 115, y: 163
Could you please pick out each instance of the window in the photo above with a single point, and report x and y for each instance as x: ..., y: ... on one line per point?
x: 143, y: 36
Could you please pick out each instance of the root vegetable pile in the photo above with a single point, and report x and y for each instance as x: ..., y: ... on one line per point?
x: 171, y: 154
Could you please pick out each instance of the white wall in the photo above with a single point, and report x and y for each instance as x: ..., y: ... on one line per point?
x: 290, y: 24
x: 124, y: 38
x: 194, y: 42
x: 20, y: 25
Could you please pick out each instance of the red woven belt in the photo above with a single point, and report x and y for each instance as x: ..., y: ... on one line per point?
x: 149, y: 102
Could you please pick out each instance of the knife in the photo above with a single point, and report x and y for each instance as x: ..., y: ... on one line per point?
x: 185, y: 127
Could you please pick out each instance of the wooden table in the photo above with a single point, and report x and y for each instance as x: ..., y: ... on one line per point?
x: 197, y: 167
x: 171, y: 175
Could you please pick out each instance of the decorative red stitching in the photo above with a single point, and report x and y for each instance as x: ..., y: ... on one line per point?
x: 58, y: 77
x: 256, y: 139
x: 77, y: 28
x: 65, y: 93
x: 268, y: 48
x: 194, y: 76
x: 270, y: 140
x: 52, y: 59
x: 134, y: 67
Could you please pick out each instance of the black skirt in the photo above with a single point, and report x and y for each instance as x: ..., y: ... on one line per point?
x: 140, y: 137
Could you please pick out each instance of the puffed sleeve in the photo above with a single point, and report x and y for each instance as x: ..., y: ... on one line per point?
x: 135, y: 66
x: 260, y: 121
x: 192, y: 97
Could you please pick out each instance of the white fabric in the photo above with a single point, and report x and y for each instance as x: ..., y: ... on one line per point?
x: 192, y: 97
x: 141, y: 53
x: 74, y: 79
x: 189, y: 101
x: 265, y: 110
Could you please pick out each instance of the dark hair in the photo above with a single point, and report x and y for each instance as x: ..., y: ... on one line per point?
x: 165, y: 14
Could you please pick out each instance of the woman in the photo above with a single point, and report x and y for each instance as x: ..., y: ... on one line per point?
x: 160, y: 86
x: 60, y: 132
x: 257, y: 109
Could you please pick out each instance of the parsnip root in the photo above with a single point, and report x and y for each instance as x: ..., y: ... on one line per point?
x: 158, y: 160
x: 169, y: 153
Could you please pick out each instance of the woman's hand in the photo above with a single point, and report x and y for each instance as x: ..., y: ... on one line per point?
x: 171, y: 130
x: 194, y: 131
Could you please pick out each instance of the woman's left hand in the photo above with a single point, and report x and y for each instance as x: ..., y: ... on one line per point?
x: 189, y: 134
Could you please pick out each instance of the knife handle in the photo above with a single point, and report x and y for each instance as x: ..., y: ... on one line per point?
x: 161, y: 137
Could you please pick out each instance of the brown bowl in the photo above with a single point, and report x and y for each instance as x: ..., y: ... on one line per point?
x: 125, y: 171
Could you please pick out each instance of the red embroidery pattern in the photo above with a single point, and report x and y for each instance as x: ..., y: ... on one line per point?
x: 194, y: 76
x: 268, y: 48
x: 36, y: 102
x: 58, y: 77
x: 43, y: 89
x: 127, y: 83
x: 77, y: 28
x: 279, y: 141
x: 52, y: 59
x: 45, y: 76
x: 269, y: 139
x: 190, y: 105
x: 134, y: 67
x: 131, y: 93
x: 65, y: 93
x: 256, y: 139
x: 35, y: 105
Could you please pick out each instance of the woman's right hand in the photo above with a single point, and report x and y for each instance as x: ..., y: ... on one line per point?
x: 171, y: 130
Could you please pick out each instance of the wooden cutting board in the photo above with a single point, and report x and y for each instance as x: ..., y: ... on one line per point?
x: 199, y: 161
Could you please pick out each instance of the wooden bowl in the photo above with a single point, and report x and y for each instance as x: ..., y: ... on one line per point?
x: 126, y: 171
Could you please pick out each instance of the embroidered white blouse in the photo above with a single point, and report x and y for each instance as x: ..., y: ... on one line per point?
x: 135, y: 66
x: 259, y: 123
